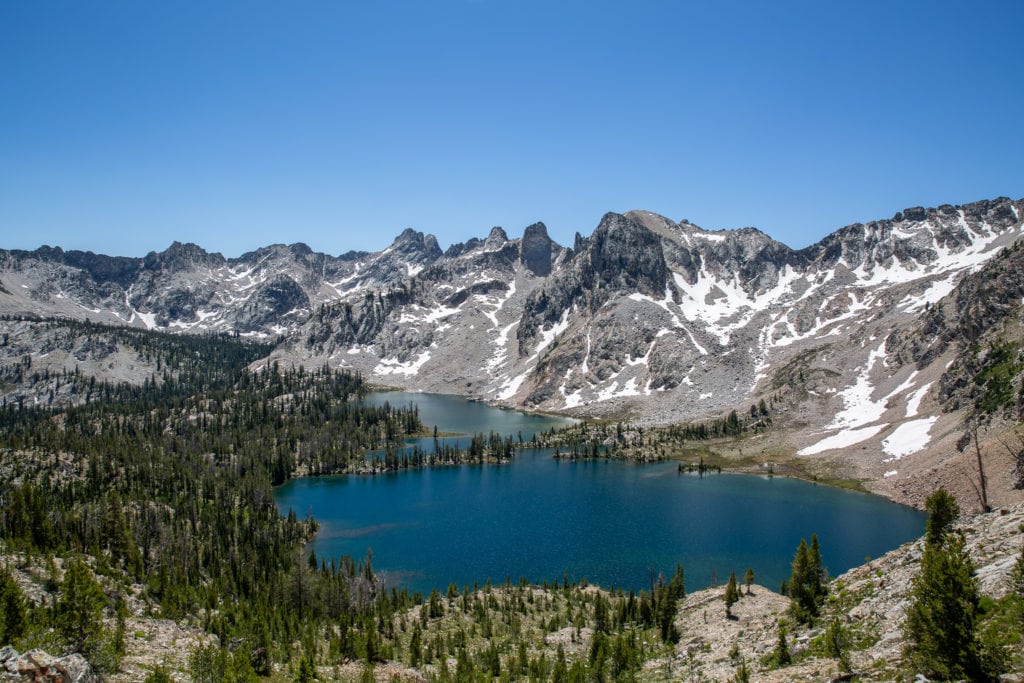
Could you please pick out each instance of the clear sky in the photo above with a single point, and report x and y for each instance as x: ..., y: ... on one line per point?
x: 127, y: 125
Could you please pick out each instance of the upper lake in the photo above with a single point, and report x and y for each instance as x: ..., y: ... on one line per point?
x: 611, y: 522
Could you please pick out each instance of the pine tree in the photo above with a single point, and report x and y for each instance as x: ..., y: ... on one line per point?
x: 800, y: 598
x: 677, y: 586
x: 80, y: 609
x: 601, y: 624
x: 943, y: 614
x: 307, y: 671
x: 780, y: 655
x: 807, y: 587
x: 208, y: 664
x: 817, y: 579
x: 837, y: 643
x: 942, y: 511
x: 12, y: 609
x: 748, y: 576
x: 742, y: 674
x: 159, y: 675
x: 560, y: 674
x: 415, y: 646
x: 732, y: 594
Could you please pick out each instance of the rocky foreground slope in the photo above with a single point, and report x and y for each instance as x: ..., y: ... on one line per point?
x: 870, y: 601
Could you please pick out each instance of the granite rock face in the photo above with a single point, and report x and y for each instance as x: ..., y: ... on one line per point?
x: 537, y: 250
x: 38, y: 666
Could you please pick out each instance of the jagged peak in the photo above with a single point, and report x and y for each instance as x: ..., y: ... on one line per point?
x: 48, y: 252
x: 409, y: 235
x: 578, y: 242
x: 181, y: 254
x: 536, y: 249
x: 537, y: 229
x: 410, y: 238
x: 299, y: 249
x: 616, y: 223
x: 430, y: 242
x: 496, y: 239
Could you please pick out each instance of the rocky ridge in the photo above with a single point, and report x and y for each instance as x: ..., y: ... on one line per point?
x: 864, y: 337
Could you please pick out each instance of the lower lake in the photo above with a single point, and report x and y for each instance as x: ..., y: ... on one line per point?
x: 611, y: 522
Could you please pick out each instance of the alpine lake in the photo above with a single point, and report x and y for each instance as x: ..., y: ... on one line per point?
x: 611, y: 522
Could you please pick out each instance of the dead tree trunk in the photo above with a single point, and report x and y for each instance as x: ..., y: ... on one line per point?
x: 983, y: 491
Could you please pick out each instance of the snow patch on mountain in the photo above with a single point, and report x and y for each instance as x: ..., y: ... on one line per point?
x: 843, y: 439
x: 914, y: 402
x: 392, y: 366
x: 859, y: 408
x: 908, y: 438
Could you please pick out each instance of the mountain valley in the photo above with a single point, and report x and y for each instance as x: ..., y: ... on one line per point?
x: 151, y: 405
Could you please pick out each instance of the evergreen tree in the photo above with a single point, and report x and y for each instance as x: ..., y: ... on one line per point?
x: 12, y: 609
x: 601, y: 624
x: 677, y: 586
x: 780, y: 655
x: 818, y: 578
x: 208, y: 664
x: 748, y: 576
x: 80, y: 609
x: 560, y: 674
x: 943, y: 614
x: 307, y: 671
x: 415, y: 646
x: 732, y: 594
x: 807, y: 589
x: 942, y: 511
x: 742, y: 674
x: 666, y: 604
x: 159, y: 675
x: 837, y: 643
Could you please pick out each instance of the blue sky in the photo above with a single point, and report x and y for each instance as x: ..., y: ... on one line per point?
x: 127, y: 125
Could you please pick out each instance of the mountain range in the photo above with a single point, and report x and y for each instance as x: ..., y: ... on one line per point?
x: 877, y: 338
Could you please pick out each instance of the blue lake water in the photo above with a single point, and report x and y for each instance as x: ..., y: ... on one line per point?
x: 613, y: 523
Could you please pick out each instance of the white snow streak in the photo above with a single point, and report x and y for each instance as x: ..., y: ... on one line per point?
x: 859, y: 409
x: 909, y: 437
x: 914, y: 402
x: 509, y: 388
x: 843, y: 439
x: 392, y: 366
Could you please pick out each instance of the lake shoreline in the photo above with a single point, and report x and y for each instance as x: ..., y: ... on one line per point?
x: 602, y: 519
x: 777, y: 459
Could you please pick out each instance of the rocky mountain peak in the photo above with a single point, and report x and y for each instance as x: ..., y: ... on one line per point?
x: 300, y: 249
x: 120, y: 270
x: 914, y: 237
x: 657, y: 223
x: 496, y: 238
x: 625, y: 256
x: 416, y: 245
x: 536, y: 249
x: 182, y: 256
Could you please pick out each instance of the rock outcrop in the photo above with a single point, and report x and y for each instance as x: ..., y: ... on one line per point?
x: 36, y: 666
